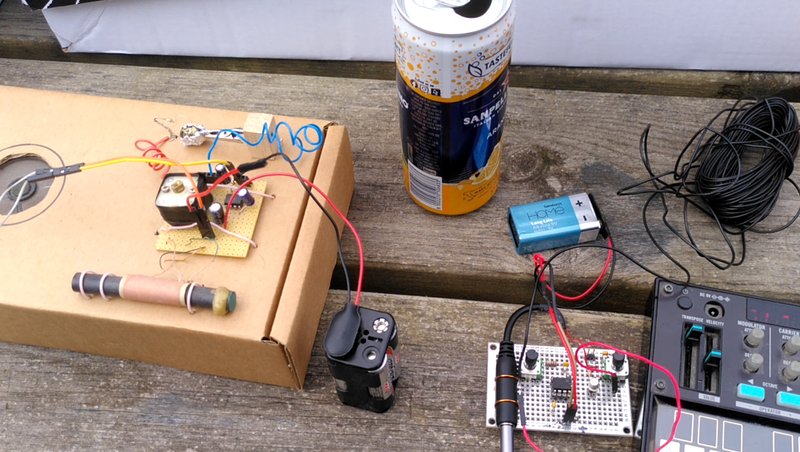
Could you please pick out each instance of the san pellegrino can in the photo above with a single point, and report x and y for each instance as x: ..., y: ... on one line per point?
x: 452, y: 59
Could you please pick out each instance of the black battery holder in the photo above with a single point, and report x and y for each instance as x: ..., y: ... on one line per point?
x: 361, y: 348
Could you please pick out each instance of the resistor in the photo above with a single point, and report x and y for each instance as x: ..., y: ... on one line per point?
x: 154, y: 290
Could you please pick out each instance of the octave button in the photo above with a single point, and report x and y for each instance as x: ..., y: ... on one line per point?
x: 788, y: 400
x: 750, y: 392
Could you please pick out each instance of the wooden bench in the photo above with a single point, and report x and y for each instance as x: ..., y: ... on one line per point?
x: 422, y: 268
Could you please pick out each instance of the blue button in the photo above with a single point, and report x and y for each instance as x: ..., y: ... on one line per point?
x: 750, y: 392
x: 789, y: 400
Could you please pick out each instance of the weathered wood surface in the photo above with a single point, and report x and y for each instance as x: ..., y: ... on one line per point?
x: 558, y: 142
x: 24, y: 34
x: 61, y: 400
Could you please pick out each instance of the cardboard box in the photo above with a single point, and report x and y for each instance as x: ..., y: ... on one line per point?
x: 679, y: 34
x: 104, y: 220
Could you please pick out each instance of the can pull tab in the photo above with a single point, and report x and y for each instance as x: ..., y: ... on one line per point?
x: 438, y: 3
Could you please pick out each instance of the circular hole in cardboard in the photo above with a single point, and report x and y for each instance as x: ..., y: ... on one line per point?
x: 17, y: 162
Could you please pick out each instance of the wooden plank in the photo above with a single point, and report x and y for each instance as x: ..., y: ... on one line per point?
x: 557, y: 143
x: 85, y: 402
x: 24, y: 34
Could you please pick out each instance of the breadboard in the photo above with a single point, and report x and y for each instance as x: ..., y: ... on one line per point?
x: 242, y: 222
x: 599, y: 413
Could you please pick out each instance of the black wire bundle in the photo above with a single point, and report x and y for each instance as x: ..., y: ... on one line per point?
x: 734, y: 174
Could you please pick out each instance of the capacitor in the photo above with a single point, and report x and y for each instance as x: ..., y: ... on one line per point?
x: 217, y: 213
x: 755, y: 338
x: 754, y: 362
x: 594, y: 384
x: 221, y: 169
x: 245, y: 196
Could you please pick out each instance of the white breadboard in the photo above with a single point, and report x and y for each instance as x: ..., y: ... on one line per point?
x: 600, y: 412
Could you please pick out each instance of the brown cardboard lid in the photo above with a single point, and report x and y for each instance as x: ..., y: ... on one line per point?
x: 104, y: 220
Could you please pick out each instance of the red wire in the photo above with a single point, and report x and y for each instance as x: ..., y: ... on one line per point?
x: 350, y: 226
x: 150, y: 149
x: 529, y: 440
x: 651, y: 363
x: 540, y: 261
x: 216, y: 184
x: 573, y: 368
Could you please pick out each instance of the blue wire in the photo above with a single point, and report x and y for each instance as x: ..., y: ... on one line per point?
x: 314, y: 143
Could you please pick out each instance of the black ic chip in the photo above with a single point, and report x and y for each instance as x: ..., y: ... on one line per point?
x: 560, y: 387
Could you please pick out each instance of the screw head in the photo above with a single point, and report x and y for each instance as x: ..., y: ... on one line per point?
x: 660, y: 385
x: 380, y: 325
x: 177, y: 186
x: 668, y: 288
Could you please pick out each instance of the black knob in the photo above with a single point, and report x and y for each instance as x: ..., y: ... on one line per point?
x: 617, y: 360
x: 531, y: 356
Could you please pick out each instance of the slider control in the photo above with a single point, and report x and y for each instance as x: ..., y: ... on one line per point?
x: 694, y: 333
x: 713, y: 358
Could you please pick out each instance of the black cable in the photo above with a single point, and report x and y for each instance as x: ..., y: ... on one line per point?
x: 256, y: 164
x: 733, y: 175
x: 548, y: 266
x: 528, y: 325
x: 330, y: 218
x: 597, y: 292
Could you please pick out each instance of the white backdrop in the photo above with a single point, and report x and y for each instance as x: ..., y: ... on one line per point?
x: 759, y: 35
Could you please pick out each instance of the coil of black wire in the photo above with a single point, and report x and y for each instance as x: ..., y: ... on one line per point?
x: 734, y: 172
x: 741, y: 168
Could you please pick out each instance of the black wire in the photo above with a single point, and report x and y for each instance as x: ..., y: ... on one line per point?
x: 528, y: 326
x: 597, y: 292
x: 256, y: 164
x: 548, y: 266
x: 733, y: 175
x: 330, y: 218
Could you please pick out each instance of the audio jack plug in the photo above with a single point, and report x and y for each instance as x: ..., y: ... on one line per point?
x: 506, y: 405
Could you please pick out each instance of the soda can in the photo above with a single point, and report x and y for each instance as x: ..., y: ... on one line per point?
x: 452, y: 59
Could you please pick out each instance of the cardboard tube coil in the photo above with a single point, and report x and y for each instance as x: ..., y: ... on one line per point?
x: 147, y: 289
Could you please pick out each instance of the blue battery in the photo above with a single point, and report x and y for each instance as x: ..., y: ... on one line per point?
x: 554, y: 223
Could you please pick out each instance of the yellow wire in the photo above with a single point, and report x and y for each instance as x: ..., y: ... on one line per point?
x: 147, y: 160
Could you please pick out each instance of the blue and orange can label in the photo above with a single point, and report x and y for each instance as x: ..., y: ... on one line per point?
x: 453, y: 89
